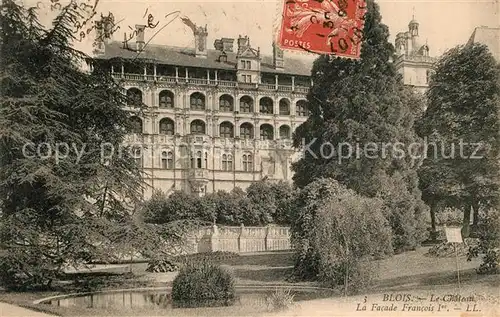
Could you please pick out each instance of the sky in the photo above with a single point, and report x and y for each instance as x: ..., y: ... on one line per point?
x: 443, y: 23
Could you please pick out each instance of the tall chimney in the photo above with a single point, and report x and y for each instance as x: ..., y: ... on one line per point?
x: 243, y: 43
x: 104, y: 30
x: 200, y: 41
x: 140, y: 36
x: 278, y: 57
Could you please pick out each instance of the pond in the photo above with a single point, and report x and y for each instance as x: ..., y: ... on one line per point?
x: 251, y: 299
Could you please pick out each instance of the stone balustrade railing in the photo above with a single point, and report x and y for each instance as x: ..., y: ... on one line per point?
x: 240, y: 239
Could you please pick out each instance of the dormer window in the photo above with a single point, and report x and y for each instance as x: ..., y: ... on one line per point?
x: 246, y: 65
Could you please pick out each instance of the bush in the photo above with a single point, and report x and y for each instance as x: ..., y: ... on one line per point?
x: 489, y: 243
x: 280, y: 299
x: 161, y: 266
x: 337, y: 234
x: 204, y: 284
x: 449, y: 217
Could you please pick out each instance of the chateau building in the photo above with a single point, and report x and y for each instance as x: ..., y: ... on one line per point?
x: 413, y: 61
x: 488, y: 36
x: 216, y: 118
x: 223, y: 117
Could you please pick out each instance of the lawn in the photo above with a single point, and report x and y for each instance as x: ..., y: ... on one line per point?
x: 410, y: 271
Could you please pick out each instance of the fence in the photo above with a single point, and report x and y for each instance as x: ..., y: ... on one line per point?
x: 240, y: 239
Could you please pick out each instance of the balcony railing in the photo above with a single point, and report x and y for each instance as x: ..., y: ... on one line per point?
x: 197, y: 81
x: 267, y: 86
x: 212, y: 82
x: 227, y: 83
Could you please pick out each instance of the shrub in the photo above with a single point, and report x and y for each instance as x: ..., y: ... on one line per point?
x: 280, y: 299
x: 204, y: 284
x: 489, y: 243
x: 161, y: 266
x: 337, y: 234
x: 449, y: 217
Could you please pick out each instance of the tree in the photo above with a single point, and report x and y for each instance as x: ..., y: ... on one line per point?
x: 179, y: 205
x: 231, y: 208
x: 64, y: 207
x: 337, y: 233
x: 462, y: 121
x: 364, y: 103
x: 270, y: 201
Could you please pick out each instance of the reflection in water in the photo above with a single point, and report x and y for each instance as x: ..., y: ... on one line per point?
x: 162, y: 299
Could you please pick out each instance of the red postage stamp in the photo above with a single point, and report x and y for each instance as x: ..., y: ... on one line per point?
x: 323, y: 26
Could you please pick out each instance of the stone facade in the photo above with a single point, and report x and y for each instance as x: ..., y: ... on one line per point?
x: 222, y: 118
x: 215, y: 119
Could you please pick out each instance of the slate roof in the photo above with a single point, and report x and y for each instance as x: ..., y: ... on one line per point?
x: 182, y: 56
x: 488, y: 36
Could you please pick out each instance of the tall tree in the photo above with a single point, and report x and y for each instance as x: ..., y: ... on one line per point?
x: 462, y: 127
x: 364, y: 103
x: 60, y: 203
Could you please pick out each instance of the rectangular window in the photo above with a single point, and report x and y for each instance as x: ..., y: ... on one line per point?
x: 243, y: 64
x: 249, y: 65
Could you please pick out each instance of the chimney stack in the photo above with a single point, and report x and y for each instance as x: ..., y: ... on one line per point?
x: 140, y: 36
x: 200, y: 41
x: 104, y: 30
x: 224, y: 44
x: 243, y: 43
x: 227, y: 44
x: 278, y: 57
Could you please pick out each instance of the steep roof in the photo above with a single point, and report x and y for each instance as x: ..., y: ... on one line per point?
x: 182, y: 56
x: 488, y: 36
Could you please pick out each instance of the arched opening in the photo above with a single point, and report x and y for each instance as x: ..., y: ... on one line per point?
x: 246, y: 104
x: 134, y: 97
x: 197, y: 101
x: 197, y: 127
x: 226, y: 103
x: 167, y: 126
x: 226, y: 130
x: 284, y: 132
x: 266, y: 132
x: 284, y: 107
x: 266, y: 105
x: 136, y: 124
x: 246, y: 131
x: 301, y: 108
x: 166, y: 99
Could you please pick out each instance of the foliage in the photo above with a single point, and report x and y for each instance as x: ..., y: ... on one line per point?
x: 280, y: 300
x: 178, y: 206
x: 449, y: 217
x: 270, y: 201
x: 204, y: 284
x: 445, y: 249
x: 161, y: 266
x: 66, y: 210
x: 262, y: 203
x: 489, y: 243
x: 462, y: 113
x: 364, y: 103
x: 336, y: 232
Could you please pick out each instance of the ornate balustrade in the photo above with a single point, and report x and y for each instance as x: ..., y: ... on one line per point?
x: 241, y: 239
x: 210, y: 82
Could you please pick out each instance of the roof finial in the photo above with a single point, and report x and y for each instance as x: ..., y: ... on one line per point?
x: 413, y: 15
